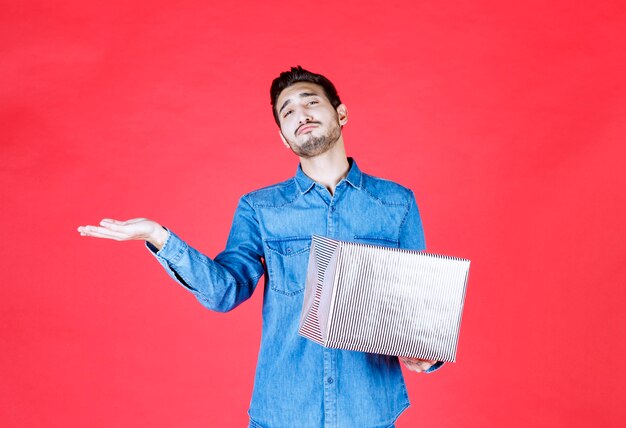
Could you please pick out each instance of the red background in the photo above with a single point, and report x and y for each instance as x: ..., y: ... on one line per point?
x: 508, y: 122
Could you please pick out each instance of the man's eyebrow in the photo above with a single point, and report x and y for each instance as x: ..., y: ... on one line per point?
x: 301, y: 95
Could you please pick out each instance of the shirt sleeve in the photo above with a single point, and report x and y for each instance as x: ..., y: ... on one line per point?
x: 223, y: 283
x: 411, y: 230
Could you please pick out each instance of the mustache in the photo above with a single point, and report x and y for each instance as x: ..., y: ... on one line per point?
x: 305, y: 124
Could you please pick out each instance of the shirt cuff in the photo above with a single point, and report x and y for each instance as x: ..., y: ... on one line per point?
x: 434, y: 367
x: 172, y: 249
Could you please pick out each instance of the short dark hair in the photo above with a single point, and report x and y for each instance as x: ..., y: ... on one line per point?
x: 299, y: 74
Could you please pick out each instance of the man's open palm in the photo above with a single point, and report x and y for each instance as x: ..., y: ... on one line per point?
x: 133, y: 229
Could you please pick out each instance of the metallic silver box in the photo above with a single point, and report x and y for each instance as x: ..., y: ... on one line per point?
x: 383, y: 300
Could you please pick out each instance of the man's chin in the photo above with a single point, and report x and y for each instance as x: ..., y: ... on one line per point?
x: 311, y: 152
x: 312, y: 145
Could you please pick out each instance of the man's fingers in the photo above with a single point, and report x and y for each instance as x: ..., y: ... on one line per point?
x: 417, y: 364
x: 411, y: 366
x: 416, y: 367
x: 115, y: 227
x: 101, y: 232
x: 418, y: 360
x: 136, y: 228
x: 122, y: 223
x: 113, y: 221
x: 134, y: 220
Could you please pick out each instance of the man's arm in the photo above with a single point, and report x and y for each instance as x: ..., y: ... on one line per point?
x: 411, y: 230
x: 220, y: 284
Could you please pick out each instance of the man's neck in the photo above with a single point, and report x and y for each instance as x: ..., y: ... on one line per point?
x: 329, y: 168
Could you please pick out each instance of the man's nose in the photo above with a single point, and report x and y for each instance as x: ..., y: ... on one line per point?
x: 304, y: 116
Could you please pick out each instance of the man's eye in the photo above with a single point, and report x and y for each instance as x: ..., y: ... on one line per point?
x: 287, y: 113
x: 312, y: 102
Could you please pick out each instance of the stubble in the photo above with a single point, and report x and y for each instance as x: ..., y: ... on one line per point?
x: 316, y: 145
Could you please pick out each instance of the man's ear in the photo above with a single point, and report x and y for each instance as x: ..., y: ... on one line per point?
x: 282, y: 137
x: 342, y: 114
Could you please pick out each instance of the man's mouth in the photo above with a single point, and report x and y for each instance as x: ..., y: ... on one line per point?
x: 305, y: 128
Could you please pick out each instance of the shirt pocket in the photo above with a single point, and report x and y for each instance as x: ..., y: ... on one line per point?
x: 376, y: 240
x: 288, y: 259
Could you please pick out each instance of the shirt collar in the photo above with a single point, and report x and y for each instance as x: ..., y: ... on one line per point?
x: 354, y: 177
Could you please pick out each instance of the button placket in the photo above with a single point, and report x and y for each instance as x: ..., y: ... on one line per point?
x: 330, y: 389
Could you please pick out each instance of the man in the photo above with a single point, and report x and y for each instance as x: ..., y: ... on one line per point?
x: 299, y: 383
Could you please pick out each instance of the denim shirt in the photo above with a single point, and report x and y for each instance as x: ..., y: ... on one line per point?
x: 299, y: 383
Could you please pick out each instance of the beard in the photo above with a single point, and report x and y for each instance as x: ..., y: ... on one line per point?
x: 313, y: 145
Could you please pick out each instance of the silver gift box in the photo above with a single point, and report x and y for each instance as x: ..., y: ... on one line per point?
x: 383, y: 300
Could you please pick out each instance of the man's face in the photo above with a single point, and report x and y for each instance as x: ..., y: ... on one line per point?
x: 309, y: 124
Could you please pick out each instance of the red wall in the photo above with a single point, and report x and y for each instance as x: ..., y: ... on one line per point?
x: 508, y: 121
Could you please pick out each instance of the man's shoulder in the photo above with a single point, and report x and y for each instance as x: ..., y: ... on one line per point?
x: 273, y: 195
x: 387, y: 191
x: 283, y: 193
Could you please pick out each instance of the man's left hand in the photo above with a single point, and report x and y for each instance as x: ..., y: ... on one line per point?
x: 417, y: 364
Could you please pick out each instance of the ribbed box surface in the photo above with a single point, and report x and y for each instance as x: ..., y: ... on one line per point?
x: 383, y: 300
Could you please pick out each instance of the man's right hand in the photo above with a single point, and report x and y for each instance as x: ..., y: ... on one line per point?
x: 133, y: 229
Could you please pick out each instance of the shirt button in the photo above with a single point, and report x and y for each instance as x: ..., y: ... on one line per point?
x: 329, y: 380
x: 289, y: 250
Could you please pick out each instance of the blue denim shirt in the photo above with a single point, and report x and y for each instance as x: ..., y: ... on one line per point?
x: 299, y: 383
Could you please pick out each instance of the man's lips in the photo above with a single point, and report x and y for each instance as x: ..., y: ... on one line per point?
x: 305, y: 128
